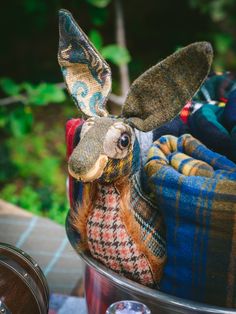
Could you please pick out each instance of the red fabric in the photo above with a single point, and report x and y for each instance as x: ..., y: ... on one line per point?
x: 185, y: 112
x: 223, y: 99
x: 71, y: 127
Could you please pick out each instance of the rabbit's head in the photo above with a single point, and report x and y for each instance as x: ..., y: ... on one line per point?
x: 108, y: 148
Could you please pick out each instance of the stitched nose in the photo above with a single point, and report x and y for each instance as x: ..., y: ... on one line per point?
x: 84, y: 157
x: 76, y: 163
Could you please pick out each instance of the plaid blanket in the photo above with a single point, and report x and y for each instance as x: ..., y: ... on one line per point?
x: 196, y: 191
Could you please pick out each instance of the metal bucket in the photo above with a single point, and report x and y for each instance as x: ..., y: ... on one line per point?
x: 104, y: 287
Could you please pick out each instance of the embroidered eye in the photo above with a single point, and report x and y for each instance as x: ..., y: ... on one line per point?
x: 118, y: 141
x: 124, y: 141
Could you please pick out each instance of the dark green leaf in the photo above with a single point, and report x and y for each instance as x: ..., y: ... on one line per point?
x: 96, y: 38
x: 99, y: 3
x: 9, y: 86
x: 98, y: 16
x: 27, y: 87
x: 29, y: 197
x: 3, y: 117
x: 45, y: 93
x: 222, y: 42
x: 20, y: 121
x: 116, y: 54
x: 35, y: 6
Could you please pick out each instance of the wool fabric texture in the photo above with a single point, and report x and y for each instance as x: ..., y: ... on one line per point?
x: 159, y: 93
x: 73, y: 129
x: 87, y: 75
x: 210, y: 116
x: 209, y: 125
x: 175, y: 127
x: 109, y: 241
x: 153, y: 99
x: 217, y: 87
x: 145, y: 223
x: 88, y: 154
x: 229, y: 114
x: 196, y: 192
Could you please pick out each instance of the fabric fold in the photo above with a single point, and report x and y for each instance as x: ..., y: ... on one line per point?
x: 196, y: 191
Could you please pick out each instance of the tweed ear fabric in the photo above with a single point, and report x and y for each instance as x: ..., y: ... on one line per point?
x: 159, y: 94
x: 87, y: 75
x: 196, y: 192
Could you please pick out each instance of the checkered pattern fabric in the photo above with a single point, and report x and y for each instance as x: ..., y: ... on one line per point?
x: 150, y: 220
x: 109, y: 241
x: 116, y: 168
x: 196, y: 192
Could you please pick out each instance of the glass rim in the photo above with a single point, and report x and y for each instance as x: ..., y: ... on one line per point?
x: 130, y: 301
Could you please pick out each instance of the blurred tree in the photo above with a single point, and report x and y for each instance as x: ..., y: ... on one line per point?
x: 222, y: 14
x: 38, y: 182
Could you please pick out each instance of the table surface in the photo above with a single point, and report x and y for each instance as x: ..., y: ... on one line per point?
x: 62, y: 304
x: 46, y: 242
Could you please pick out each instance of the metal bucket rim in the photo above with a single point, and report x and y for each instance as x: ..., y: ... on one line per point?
x: 151, y: 293
x: 162, y: 297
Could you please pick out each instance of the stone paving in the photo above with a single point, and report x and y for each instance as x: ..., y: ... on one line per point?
x: 46, y: 242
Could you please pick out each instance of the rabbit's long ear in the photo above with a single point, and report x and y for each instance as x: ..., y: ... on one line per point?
x: 87, y: 75
x: 159, y: 94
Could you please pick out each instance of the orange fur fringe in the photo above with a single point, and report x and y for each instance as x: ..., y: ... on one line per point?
x: 134, y: 230
x: 123, y: 186
x: 79, y: 218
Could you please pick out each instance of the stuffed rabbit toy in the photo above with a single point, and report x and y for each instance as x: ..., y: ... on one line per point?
x: 118, y: 220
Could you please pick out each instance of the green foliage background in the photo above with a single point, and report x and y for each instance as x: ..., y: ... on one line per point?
x: 32, y: 147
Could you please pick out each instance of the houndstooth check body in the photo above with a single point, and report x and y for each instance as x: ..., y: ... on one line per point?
x: 109, y: 241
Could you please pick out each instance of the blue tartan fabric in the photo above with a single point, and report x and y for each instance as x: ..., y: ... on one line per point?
x: 196, y: 192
